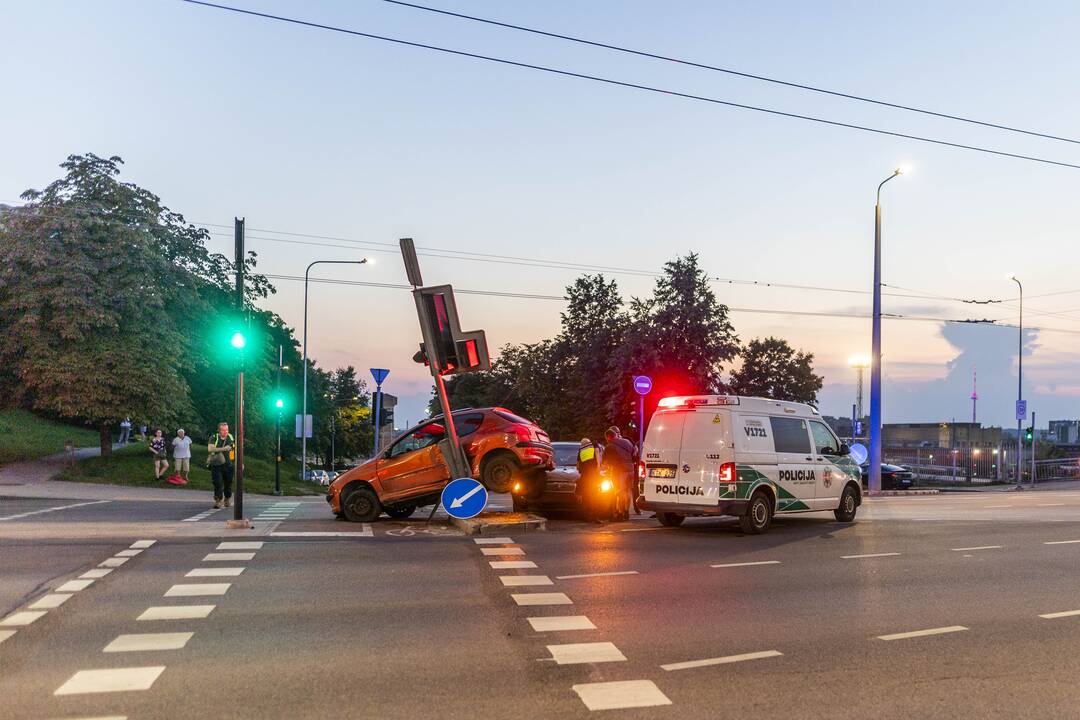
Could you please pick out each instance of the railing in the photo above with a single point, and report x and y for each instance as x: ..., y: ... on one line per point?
x: 977, y: 466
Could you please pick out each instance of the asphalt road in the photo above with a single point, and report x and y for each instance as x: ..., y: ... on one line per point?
x: 923, y: 608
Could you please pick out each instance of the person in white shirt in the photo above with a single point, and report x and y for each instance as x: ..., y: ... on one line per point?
x: 182, y: 454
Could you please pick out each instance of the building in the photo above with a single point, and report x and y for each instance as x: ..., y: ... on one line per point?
x: 940, y: 435
x: 1064, y: 432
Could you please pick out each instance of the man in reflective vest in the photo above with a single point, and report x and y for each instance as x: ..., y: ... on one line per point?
x: 588, y: 467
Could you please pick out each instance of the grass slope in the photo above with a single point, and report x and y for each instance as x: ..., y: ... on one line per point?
x: 25, y: 436
x: 134, y: 466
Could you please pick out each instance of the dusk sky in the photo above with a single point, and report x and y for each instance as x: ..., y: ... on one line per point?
x: 322, y: 134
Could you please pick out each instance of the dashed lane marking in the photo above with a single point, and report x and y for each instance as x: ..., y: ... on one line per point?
x: 5, y: 634
x: 143, y: 544
x: 923, y: 633
x: 598, y: 574
x: 197, y: 590
x: 50, y: 601
x: 868, y: 555
x: 493, y: 541
x: 253, y: 545
x: 74, y: 586
x: 541, y: 599
x: 52, y: 509
x: 502, y: 551
x: 110, y: 680
x: 21, y: 618
x: 146, y: 642
x: 176, y: 612
x: 95, y: 573
x: 721, y: 660
x: 113, y: 562
x: 202, y: 515
x: 511, y: 564
x: 620, y: 694
x: 581, y: 653
x: 561, y: 622
x: 979, y: 547
x: 215, y: 572
x: 127, y: 553
x: 747, y: 564
x: 1056, y: 615
x: 1062, y: 542
x: 523, y: 580
x: 366, y: 532
x: 221, y: 557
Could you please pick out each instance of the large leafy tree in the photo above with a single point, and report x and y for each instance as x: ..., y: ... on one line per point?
x: 772, y: 368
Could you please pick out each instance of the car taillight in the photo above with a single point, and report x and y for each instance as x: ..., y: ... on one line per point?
x: 727, y: 473
x: 523, y: 433
x: 641, y: 469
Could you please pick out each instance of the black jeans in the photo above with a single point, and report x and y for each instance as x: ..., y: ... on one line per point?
x: 222, y: 476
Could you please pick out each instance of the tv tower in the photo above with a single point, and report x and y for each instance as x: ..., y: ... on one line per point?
x: 974, y: 396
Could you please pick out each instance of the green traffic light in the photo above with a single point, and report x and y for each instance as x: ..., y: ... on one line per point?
x: 238, y: 341
x: 279, y: 403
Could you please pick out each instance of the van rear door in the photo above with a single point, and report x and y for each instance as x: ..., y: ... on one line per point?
x: 706, y: 446
x: 661, y: 455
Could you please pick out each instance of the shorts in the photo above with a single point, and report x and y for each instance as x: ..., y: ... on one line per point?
x: 182, y: 464
x: 161, y: 457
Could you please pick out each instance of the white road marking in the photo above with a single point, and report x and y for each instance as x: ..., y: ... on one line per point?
x: 1067, y: 613
x: 599, y: 574
x: 541, y: 599
x: 215, y: 572
x: 127, y: 553
x: 176, y: 612
x: 493, y: 541
x: 5, y: 634
x: 620, y: 694
x: 50, y: 601
x: 502, y: 551
x: 978, y: 547
x: 24, y: 617
x: 52, y: 509
x: 561, y: 622
x: 922, y: 633
x: 255, y: 545
x: 511, y: 564
x: 868, y: 555
x: 143, y: 543
x: 111, y: 680
x: 215, y: 557
x: 113, y: 562
x: 366, y: 532
x: 1050, y: 504
x: 145, y: 642
x: 197, y: 590
x: 74, y: 586
x: 747, y: 564
x: 523, y: 580
x: 998, y: 506
x: 721, y: 660
x: 580, y: 653
x: 95, y: 573
x: 1062, y: 542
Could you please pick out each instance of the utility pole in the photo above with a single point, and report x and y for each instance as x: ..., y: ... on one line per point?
x: 238, y: 506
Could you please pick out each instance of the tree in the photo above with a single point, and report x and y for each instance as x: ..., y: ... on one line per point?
x: 772, y: 368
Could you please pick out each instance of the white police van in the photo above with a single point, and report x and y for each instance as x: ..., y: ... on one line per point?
x: 747, y: 457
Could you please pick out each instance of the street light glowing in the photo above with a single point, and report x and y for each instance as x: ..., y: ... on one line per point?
x: 238, y: 340
x: 905, y: 170
x: 859, y: 361
x: 1010, y: 276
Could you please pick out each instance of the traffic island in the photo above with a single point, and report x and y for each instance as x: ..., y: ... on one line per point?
x: 497, y: 523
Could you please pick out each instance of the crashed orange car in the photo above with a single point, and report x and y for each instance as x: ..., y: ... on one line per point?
x: 499, y: 445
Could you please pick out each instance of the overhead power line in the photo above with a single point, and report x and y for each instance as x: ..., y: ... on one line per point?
x: 729, y: 71
x: 637, y: 86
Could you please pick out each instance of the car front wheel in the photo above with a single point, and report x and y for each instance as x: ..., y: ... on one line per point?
x: 361, y: 505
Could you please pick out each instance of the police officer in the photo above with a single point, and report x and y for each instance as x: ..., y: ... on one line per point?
x: 221, y: 452
x: 588, y: 467
x: 618, y: 459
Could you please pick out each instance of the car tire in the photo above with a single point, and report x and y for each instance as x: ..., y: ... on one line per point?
x: 849, y: 505
x: 400, y: 512
x: 498, y: 472
x: 668, y: 519
x: 361, y: 505
x: 758, y: 514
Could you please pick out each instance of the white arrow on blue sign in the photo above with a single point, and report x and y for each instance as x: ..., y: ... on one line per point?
x: 464, y: 498
x: 642, y: 384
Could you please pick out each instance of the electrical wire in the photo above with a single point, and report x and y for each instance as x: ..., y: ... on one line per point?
x: 635, y: 86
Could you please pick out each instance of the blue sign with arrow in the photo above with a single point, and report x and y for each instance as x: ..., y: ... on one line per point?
x: 464, y: 498
x: 379, y: 374
x: 642, y: 384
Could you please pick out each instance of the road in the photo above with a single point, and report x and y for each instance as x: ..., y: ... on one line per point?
x: 962, y: 605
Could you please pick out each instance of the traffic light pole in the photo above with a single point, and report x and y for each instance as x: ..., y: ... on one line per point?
x: 1032, y: 449
x: 238, y: 506
x: 277, y: 425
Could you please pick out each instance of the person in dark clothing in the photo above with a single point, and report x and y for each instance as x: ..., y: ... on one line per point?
x: 618, y: 459
x: 221, y: 453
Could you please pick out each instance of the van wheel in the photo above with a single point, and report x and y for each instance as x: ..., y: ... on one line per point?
x: 400, y: 512
x: 670, y: 519
x: 361, y: 505
x: 498, y: 473
x: 848, y: 506
x: 758, y: 515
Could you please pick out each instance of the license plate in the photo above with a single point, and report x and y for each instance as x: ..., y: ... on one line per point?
x: 662, y: 472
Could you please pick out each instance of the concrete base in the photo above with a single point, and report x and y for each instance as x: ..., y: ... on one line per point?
x: 241, y: 524
x: 498, y: 523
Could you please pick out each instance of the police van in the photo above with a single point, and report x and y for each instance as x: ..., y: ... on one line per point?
x: 747, y: 457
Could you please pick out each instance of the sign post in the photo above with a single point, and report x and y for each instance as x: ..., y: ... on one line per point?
x: 642, y: 386
x: 379, y: 374
x: 1021, y: 414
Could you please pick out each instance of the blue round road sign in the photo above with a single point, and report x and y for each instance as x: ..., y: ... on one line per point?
x: 642, y: 384
x: 464, y: 498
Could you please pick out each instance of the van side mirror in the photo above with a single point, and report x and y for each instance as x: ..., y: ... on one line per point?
x: 844, y: 449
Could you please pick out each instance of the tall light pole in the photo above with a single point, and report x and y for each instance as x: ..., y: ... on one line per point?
x: 303, y: 416
x: 1019, y: 389
x: 875, y: 359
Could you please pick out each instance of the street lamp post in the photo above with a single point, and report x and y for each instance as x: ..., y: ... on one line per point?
x: 875, y: 359
x: 303, y: 416
x: 1019, y: 388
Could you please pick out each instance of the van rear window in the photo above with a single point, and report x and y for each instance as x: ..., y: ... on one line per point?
x: 790, y: 435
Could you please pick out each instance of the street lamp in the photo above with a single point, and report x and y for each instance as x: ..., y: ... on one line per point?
x: 875, y: 359
x: 303, y: 416
x: 1019, y: 387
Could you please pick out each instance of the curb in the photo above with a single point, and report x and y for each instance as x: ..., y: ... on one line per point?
x: 902, y: 493
x: 500, y: 522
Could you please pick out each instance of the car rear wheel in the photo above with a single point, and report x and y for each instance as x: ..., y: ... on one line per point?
x: 758, y: 514
x: 361, y: 505
x: 668, y: 519
x: 848, y: 506
x: 498, y: 473
x: 400, y: 512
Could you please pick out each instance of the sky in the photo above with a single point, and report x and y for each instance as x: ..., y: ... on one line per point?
x: 323, y: 134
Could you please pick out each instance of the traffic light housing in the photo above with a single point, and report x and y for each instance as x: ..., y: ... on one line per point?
x: 1029, y: 434
x: 447, y: 349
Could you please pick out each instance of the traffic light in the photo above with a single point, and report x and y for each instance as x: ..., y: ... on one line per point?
x: 1029, y: 434
x: 279, y: 403
x: 446, y: 346
x: 238, y: 340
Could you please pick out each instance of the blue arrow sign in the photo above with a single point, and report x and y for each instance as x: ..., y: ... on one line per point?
x: 464, y: 498
x: 642, y: 384
x: 379, y: 374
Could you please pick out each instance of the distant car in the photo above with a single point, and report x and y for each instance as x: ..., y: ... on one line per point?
x: 555, y: 490
x: 893, y: 477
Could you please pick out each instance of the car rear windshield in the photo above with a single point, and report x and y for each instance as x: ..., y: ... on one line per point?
x: 566, y: 454
x: 511, y: 417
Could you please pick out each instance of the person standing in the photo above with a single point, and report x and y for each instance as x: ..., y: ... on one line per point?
x: 182, y: 454
x: 161, y: 458
x: 588, y: 467
x: 221, y: 454
x: 125, y: 431
x: 618, y: 460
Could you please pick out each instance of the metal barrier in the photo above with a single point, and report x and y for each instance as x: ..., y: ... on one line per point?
x: 977, y: 466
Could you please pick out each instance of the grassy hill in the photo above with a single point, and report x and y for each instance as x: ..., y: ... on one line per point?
x: 25, y: 436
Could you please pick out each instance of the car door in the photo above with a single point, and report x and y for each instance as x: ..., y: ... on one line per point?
x: 829, y: 477
x: 413, y: 462
x: 796, y: 476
